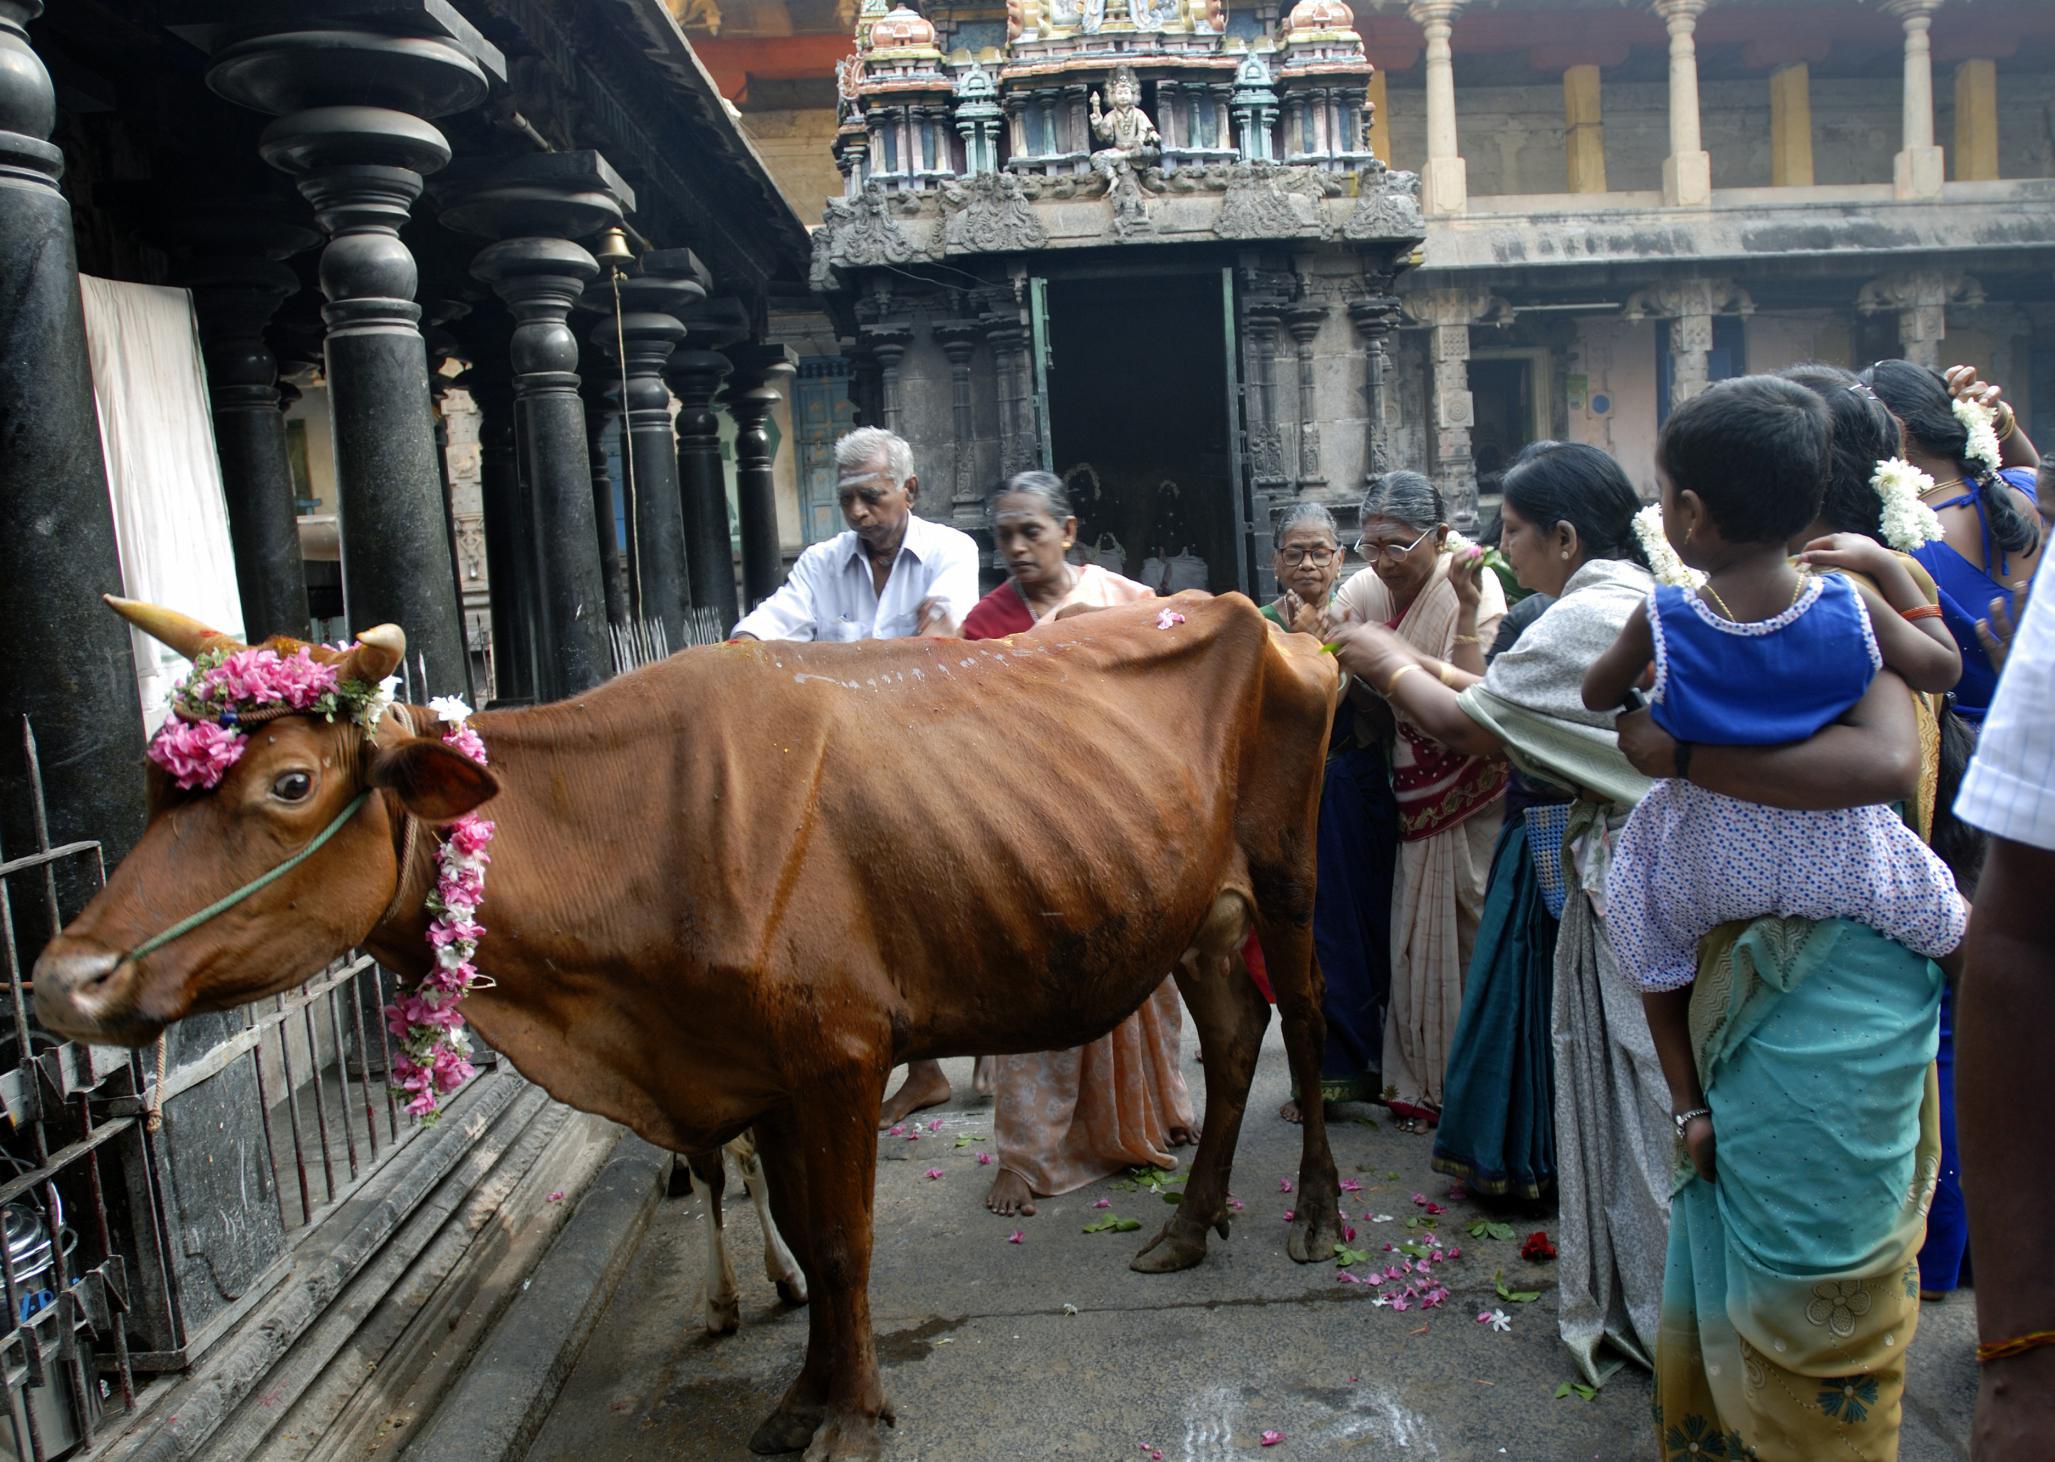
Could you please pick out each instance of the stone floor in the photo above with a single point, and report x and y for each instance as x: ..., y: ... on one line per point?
x: 1054, y: 1348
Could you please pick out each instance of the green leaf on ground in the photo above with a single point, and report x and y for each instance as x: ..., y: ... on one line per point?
x: 1512, y: 1296
x: 1391, y: 1177
x: 1344, y: 1256
x: 1578, y: 1389
x: 1171, y: 1197
x: 1486, y: 1228
x: 1370, y: 1122
x: 1113, y: 1223
x: 968, y: 1138
x: 1414, y: 1249
x: 1155, y: 1180
x: 1422, y: 1220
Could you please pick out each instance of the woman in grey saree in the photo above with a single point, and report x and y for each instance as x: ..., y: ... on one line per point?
x: 1568, y: 517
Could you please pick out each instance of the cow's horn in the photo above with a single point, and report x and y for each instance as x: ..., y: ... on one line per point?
x: 377, y: 653
x: 181, y: 632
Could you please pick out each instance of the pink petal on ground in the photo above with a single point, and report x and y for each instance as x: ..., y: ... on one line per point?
x: 557, y: 1196
x: 934, y: 1172
x: 1420, y: 1200
x: 1235, y: 1204
x: 1290, y: 1214
x: 1350, y: 1185
x: 1284, y: 1185
x: 1401, y: 1303
x: 1455, y: 1253
x: 897, y: 1132
x: 913, y: 1137
x: 1484, y: 1317
x: 936, y: 1125
x: 1436, y: 1208
x: 1348, y: 1233
x: 1387, y: 1248
x: 1270, y: 1439
x: 1016, y: 1237
x: 1103, y: 1203
x: 984, y: 1159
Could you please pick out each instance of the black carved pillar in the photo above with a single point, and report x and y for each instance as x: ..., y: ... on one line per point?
x: 695, y: 377
x: 509, y: 542
x: 959, y: 340
x: 1375, y: 316
x: 1019, y: 439
x: 885, y: 342
x: 351, y: 96
x: 649, y: 327
x: 750, y: 399
x: 537, y: 207
x: 1304, y: 320
x: 600, y: 389
x: 67, y: 665
x: 235, y: 298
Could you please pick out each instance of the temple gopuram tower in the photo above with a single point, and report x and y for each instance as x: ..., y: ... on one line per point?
x: 1144, y: 244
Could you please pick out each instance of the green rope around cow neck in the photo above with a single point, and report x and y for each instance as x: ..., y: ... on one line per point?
x: 222, y: 905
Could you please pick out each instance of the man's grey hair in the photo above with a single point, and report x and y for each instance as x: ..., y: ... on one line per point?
x: 867, y: 445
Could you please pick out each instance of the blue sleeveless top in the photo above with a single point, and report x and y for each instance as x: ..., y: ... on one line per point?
x: 1966, y: 595
x: 1764, y: 682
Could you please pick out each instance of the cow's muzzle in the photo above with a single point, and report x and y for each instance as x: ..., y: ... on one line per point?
x: 85, y: 992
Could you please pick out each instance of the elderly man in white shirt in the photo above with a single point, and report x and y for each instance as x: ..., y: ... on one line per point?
x: 891, y: 574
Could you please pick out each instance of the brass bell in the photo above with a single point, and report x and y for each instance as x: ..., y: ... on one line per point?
x: 613, y: 251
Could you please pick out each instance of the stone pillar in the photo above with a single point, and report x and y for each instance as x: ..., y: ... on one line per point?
x: 1584, y: 129
x: 959, y: 341
x: 1976, y: 121
x: 650, y: 328
x: 1375, y: 315
x: 1019, y: 446
x: 599, y: 389
x: 1450, y: 313
x: 1791, y: 126
x: 1919, y: 168
x: 67, y: 664
x: 1687, y: 171
x: 886, y: 341
x: 509, y: 539
x: 1263, y: 297
x: 749, y: 399
x: 1689, y: 305
x: 1920, y: 299
x: 537, y: 207
x: 1304, y: 320
x: 235, y: 298
x: 1444, y: 184
x: 696, y: 375
x: 351, y: 109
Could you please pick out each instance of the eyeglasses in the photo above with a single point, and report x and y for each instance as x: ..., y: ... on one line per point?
x: 1390, y: 552
x: 1320, y: 555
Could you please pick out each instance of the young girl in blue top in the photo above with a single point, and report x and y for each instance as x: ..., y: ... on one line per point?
x: 1761, y: 654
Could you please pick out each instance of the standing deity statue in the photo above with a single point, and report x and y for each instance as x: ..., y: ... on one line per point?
x: 1128, y: 133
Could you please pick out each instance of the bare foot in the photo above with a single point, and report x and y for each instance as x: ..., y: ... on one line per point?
x: 1290, y: 1112
x: 983, y: 1075
x: 1180, y: 1136
x: 925, y: 1086
x: 1010, y: 1195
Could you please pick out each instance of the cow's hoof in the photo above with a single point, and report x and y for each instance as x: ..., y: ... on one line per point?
x: 723, y: 1317
x: 847, y: 1438
x: 1170, y: 1251
x: 679, y: 1184
x: 792, y: 1291
x: 788, y: 1429
x: 1312, y: 1240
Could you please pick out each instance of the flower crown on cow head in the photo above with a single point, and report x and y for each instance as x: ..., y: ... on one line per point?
x: 233, y: 686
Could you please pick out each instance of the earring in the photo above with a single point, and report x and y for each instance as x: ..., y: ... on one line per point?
x: 1566, y: 553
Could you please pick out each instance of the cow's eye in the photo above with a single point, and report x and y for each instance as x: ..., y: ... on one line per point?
x: 292, y: 787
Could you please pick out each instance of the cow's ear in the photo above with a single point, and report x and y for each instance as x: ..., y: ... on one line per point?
x: 432, y: 781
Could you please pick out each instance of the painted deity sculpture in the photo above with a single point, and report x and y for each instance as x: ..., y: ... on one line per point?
x: 1128, y: 134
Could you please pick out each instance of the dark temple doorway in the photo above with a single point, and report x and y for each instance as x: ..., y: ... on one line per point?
x: 1138, y: 425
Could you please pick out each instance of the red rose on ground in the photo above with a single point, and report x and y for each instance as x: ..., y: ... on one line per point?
x: 1537, y: 1247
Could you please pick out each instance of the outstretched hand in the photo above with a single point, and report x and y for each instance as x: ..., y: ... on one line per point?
x: 1463, y: 576
x: 1372, y: 652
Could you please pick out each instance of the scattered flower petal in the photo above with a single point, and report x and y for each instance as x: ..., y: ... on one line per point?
x: 1498, y: 1320
x: 1270, y: 1439
x: 1103, y: 1203
x: 1016, y: 1237
x: 897, y: 1132
x: 1378, y: 1217
x: 936, y: 1125
x: 1537, y: 1247
x: 1350, y: 1185
x: 934, y: 1172
x: 1289, y: 1215
x: 557, y: 1196
x: 1284, y: 1185
x: 984, y: 1159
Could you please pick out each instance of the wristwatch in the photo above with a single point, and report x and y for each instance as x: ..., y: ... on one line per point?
x: 1685, y: 1119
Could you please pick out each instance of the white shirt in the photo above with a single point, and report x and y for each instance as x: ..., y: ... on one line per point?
x: 830, y: 595
x: 2009, y: 790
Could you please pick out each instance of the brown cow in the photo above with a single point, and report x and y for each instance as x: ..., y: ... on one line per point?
x: 737, y: 887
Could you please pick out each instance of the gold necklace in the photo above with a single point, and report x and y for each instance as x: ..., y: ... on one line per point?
x: 1730, y: 616
x: 1941, y: 487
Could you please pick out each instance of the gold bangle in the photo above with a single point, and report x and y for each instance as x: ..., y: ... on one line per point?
x: 1469, y: 640
x: 2003, y: 420
x: 1396, y: 676
x: 1447, y: 673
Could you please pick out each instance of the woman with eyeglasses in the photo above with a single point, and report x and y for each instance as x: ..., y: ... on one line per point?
x: 1429, y: 589
x: 1358, y: 848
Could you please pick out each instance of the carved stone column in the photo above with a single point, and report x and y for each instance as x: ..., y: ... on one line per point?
x: 1019, y: 439
x: 650, y: 328
x: 1263, y: 301
x: 537, y: 207
x: 1920, y: 299
x: 1444, y: 182
x: 1687, y: 171
x: 1689, y: 305
x: 509, y: 538
x: 959, y: 340
x: 886, y: 341
x: 1919, y: 168
x: 750, y: 399
x: 1449, y: 314
x: 1304, y: 320
x: 1375, y: 316
x: 67, y: 665
x: 600, y: 391
x: 234, y: 298
x: 696, y: 375
x: 352, y: 106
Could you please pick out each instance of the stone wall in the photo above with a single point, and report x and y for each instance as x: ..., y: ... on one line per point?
x: 795, y: 145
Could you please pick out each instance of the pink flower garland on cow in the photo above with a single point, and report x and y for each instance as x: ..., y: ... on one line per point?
x: 434, y: 1055
x: 203, y: 736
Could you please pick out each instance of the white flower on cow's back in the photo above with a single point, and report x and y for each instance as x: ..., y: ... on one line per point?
x: 1908, y: 523
x: 1979, y: 421
x: 450, y: 709
x: 376, y: 705
x: 1663, y: 561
